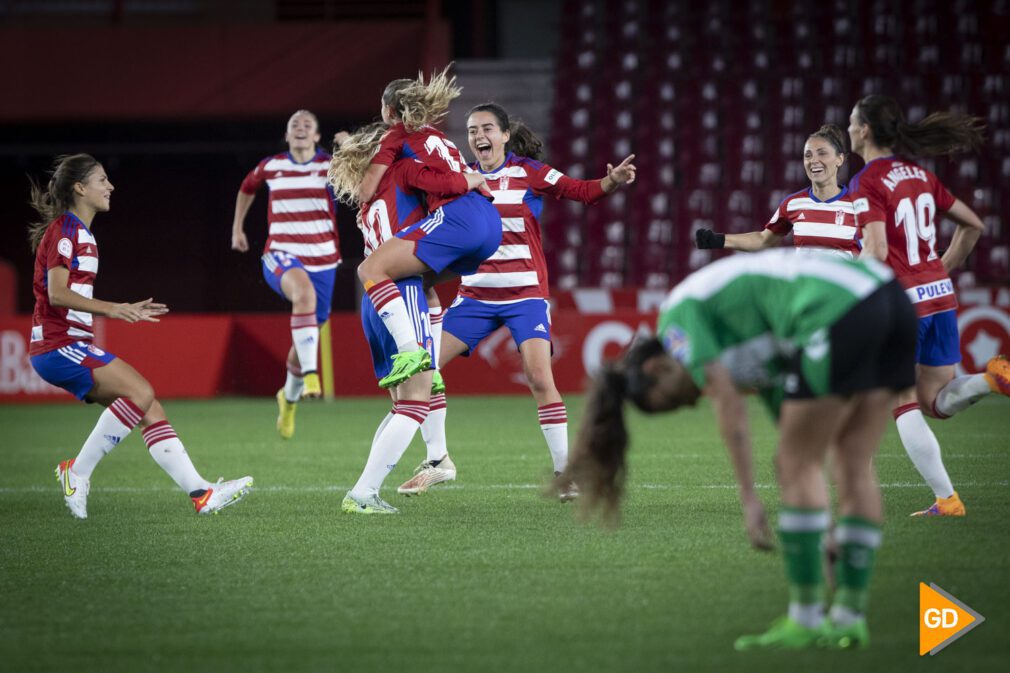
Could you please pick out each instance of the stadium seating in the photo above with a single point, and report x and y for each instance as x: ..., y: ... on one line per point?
x: 716, y: 101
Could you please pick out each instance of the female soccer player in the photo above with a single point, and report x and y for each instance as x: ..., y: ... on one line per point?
x: 302, y: 251
x: 896, y: 203
x: 511, y: 287
x: 820, y: 216
x: 62, y: 349
x: 794, y: 328
x: 454, y: 239
x: 397, y: 204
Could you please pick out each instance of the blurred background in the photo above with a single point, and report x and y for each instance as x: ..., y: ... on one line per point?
x: 181, y: 98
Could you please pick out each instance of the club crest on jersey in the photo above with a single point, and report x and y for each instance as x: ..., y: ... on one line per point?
x: 95, y: 350
x: 503, y: 183
x: 839, y: 217
x: 676, y: 343
x: 65, y: 247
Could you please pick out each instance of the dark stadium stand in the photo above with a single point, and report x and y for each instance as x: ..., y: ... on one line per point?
x: 717, y: 103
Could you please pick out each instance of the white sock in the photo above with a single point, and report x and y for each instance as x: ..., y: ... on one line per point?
x: 433, y: 429
x: 960, y: 394
x: 389, y: 446
x: 554, y: 423
x: 921, y: 445
x: 305, y: 337
x: 112, y: 427
x: 383, y: 423
x: 391, y: 308
x: 435, y: 317
x: 294, y: 384
x: 809, y: 615
x: 842, y: 615
x: 166, y: 449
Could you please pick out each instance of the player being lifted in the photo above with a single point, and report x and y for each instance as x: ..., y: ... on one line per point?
x: 511, y: 287
x: 792, y: 327
x: 819, y: 217
x: 302, y: 251
x: 897, y: 203
x: 397, y: 204
x: 62, y: 341
x: 457, y: 235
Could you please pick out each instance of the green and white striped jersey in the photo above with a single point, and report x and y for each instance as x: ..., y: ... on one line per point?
x: 752, y: 312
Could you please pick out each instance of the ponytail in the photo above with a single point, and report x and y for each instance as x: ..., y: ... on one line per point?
x: 350, y: 161
x: 524, y: 143
x: 417, y: 104
x: 941, y: 133
x: 58, y: 195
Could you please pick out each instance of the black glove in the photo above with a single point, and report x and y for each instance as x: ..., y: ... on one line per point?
x: 706, y: 239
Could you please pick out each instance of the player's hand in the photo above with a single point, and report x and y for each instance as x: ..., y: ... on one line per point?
x: 706, y: 239
x: 239, y: 241
x: 758, y: 531
x: 339, y: 138
x: 624, y: 172
x: 475, y: 181
x: 142, y: 311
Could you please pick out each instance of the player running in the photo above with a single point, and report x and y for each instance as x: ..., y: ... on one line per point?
x: 897, y: 202
x: 819, y: 217
x: 302, y: 251
x: 511, y: 287
x: 458, y: 234
x: 398, y: 203
x: 792, y: 327
x: 62, y: 349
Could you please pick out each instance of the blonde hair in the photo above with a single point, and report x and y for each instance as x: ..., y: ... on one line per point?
x: 351, y: 159
x: 417, y: 104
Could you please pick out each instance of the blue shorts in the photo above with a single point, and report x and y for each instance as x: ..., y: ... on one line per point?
x: 471, y: 321
x: 939, y: 343
x: 70, y: 367
x: 276, y: 264
x: 459, y: 236
x: 380, y: 341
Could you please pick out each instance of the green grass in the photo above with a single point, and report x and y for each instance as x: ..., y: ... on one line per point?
x: 484, y: 575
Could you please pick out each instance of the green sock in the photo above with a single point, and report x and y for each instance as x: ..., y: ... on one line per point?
x: 801, y: 532
x: 858, y: 540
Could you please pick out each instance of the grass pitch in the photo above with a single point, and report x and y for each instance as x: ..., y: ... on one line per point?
x: 481, y: 575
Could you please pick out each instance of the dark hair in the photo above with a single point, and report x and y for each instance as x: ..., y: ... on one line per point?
x: 597, y: 462
x: 58, y: 195
x: 938, y: 134
x: 522, y: 141
x: 834, y: 135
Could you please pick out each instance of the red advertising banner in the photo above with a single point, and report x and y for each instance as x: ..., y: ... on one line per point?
x: 207, y: 355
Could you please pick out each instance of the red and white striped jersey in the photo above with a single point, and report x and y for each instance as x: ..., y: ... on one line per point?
x: 429, y: 146
x: 300, y: 212
x: 828, y: 225
x: 67, y: 242
x: 907, y: 198
x: 517, y: 270
x: 399, y: 201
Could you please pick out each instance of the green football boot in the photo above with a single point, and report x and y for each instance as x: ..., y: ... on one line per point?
x: 855, y: 636
x: 406, y: 365
x: 373, y: 504
x: 784, y: 634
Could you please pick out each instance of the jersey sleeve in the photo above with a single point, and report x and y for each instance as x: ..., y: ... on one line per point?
x: 780, y: 224
x: 433, y: 181
x: 868, y: 202
x: 552, y: 182
x: 59, y: 249
x: 389, y: 148
x: 255, y: 179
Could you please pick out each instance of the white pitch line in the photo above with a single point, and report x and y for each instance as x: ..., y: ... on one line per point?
x: 281, y: 488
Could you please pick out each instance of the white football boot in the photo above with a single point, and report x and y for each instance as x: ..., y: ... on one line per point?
x: 222, y: 494
x: 427, y: 474
x: 75, y: 489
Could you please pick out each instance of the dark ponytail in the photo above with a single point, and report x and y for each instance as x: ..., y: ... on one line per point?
x: 833, y: 135
x: 941, y: 133
x: 58, y: 195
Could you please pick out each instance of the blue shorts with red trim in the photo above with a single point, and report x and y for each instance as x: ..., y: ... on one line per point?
x: 276, y: 264
x: 380, y: 341
x: 471, y: 321
x: 459, y: 236
x: 939, y: 343
x: 70, y: 367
